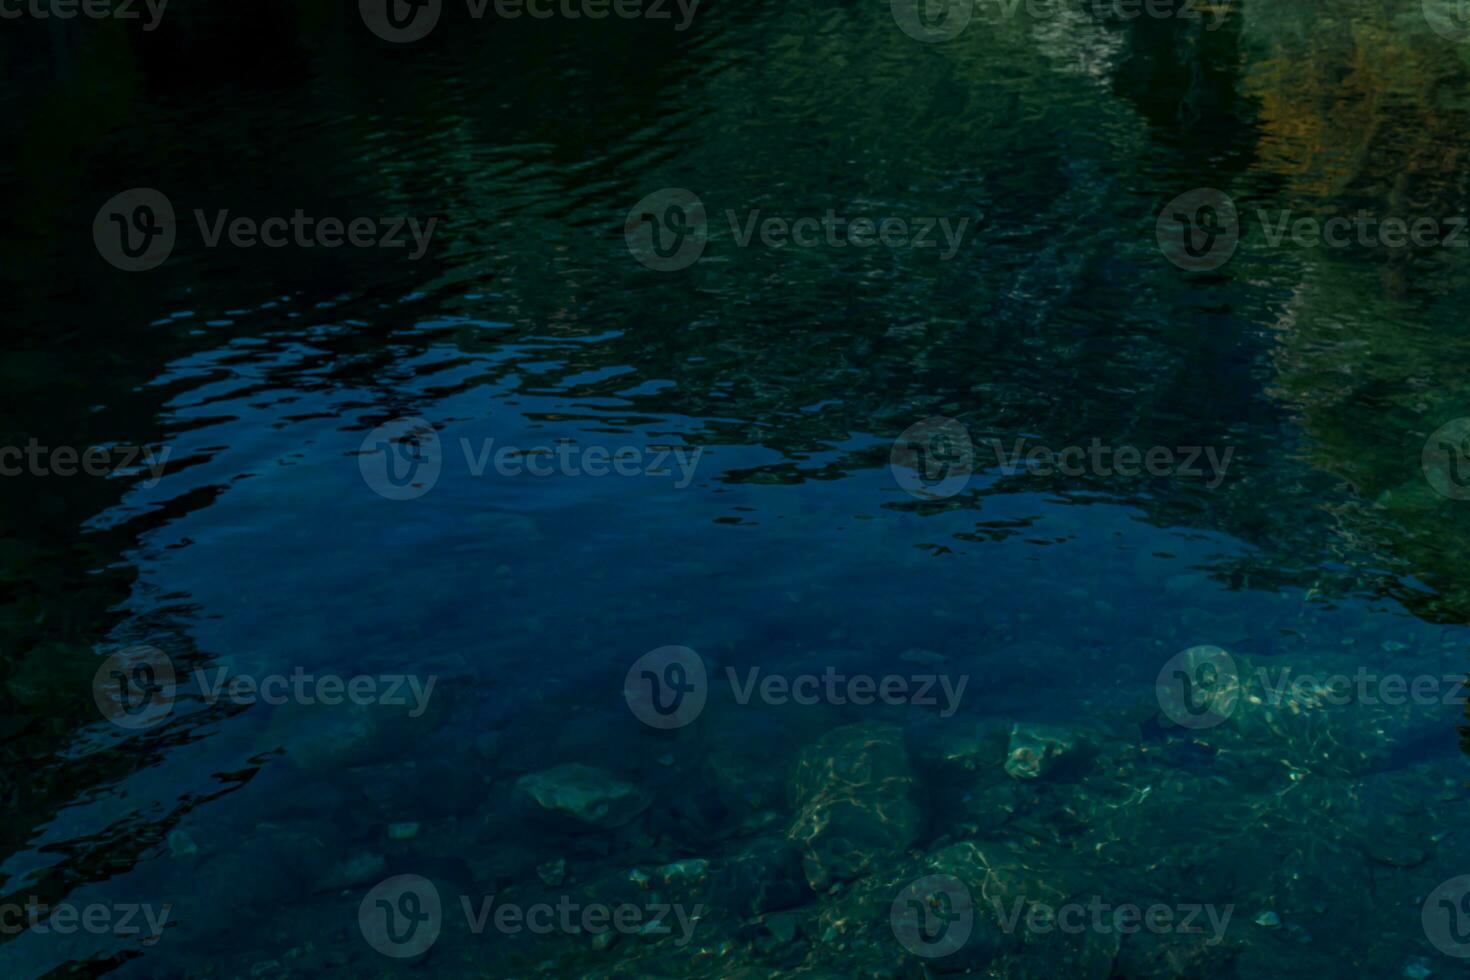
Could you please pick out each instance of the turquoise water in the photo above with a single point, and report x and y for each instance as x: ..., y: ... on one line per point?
x: 496, y: 482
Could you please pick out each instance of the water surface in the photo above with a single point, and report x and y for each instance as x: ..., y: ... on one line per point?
x: 765, y: 387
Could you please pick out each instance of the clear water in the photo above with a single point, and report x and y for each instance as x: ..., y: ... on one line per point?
x: 1330, y: 833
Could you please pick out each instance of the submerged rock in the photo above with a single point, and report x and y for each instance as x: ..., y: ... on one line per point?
x: 182, y: 845
x: 1148, y: 956
x: 901, y: 921
x: 1322, y: 713
x: 857, y: 800
x: 743, y: 784
x: 321, y: 737
x: 777, y: 930
x: 404, y: 830
x: 987, y: 807
x: 1008, y: 878
x: 958, y: 746
x: 1036, y: 750
x: 1016, y: 893
x: 586, y: 796
x: 693, y: 871
x: 748, y: 753
x: 358, y: 869
x: 1088, y: 955
x: 762, y: 877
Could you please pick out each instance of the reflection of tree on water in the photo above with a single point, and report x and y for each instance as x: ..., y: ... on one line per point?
x: 1357, y: 119
x: 1184, y: 76
x: 1353, y: 118
x: 1318, y: 111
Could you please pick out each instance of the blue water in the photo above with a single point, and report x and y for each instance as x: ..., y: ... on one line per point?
x: 766, y: 388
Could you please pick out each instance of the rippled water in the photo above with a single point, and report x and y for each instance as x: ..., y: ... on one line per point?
x: 1304, y: 516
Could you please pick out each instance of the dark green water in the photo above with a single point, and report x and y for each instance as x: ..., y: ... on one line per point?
x: 608, y: 459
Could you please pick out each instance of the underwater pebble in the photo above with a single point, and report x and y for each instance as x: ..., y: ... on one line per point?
x: 356, y: 870
x: 764, y: 876
x: 1036, y: 750
x: 1269, y: 920
x: 586, y: 795
x: 181, y: 845
x: 679, y: 872
x: 1418, y: 970
x: 407, y: 830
